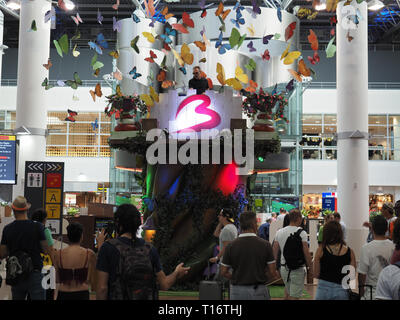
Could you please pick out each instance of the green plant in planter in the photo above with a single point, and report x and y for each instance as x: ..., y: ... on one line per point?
x: 72, y: 211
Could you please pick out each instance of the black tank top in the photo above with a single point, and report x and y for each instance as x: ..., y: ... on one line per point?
x: 331, y: 266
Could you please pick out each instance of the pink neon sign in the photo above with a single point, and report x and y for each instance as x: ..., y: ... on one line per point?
x: 202, y: 108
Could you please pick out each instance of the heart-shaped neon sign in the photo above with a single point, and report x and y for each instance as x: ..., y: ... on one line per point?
x: 202, y: 108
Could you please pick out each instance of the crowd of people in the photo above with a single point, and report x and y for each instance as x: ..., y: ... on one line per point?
x: 125, y: 268
x: 128, y: 268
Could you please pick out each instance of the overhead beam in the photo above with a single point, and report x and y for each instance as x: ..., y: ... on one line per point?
x: 4, y: 8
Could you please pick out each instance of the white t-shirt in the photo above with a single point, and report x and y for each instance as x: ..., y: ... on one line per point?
x: 388, y: 287
x: 375, y: 256
x: 228, y: 233
x: 283, y: 234
x: 281, y: 216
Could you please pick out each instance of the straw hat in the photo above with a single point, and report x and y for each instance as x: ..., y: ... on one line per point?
x: 20, y: 204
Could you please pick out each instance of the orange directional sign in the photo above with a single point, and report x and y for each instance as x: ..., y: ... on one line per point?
x: 53, y: 211
x: 53, y: 196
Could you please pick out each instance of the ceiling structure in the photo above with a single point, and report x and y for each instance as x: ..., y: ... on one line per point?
x: 384, y: 26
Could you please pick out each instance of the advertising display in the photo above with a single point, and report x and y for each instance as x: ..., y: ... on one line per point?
x: 8, y: 160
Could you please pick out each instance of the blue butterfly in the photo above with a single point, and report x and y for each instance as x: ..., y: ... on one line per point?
x: 95, y: 46
x: 222, y: 48
x: 183, y: 69
x: 275, y: 89
x: 239, y: 19
x: 238, y: 7
x: 102, y: 41
x: 95, y: 125
x: 135, y: 18
x: 250, y: 46
x: 159, y: 17
x: 355, y: 18
x: 134, y: 74
x: 279, y: 13
x: 168, y: 32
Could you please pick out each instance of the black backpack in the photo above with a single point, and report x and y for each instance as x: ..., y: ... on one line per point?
x: 293, y: 251
x: 18, y: 268
x: 135, y: 273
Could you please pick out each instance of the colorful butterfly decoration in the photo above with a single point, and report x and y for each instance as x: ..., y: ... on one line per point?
x: 135, y: 18
x: 235, y: 83
x: 265, y: 55
x: 152, y: 57
x: 255, y: 10
x: 95, y: 125
x: 267, y: 38
x: 151, y: 98
x: 251, y: 47
x: 71, y: 116
x: 302, y: 71
x: 134, y: 44
x: 46, y: 84
x: 96, y: 92
x: 48, y: 65
x: 161, y: 77
x: 134, y: 74
x: 221, y: 13
x: 239, y: 19
x: 252, y: 86
x: 117, y: 25
x: 99, y: 44
x: 290, y: 31
x: 290, y: 57
x: 222, y: 48
x: 187, y: 22
x: 251, y: 65
x: 235, y: 39
x: 168, y: 32
x: 77, y: 19
x: 185, y: 57
x: 62, y: 45
x: 74, y: 84
x: 100, y: 18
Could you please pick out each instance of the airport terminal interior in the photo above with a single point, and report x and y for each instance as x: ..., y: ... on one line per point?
x: 188, y: 109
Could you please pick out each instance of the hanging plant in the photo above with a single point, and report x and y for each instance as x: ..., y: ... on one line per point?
x: 270, y: 106
x: 120, y: 104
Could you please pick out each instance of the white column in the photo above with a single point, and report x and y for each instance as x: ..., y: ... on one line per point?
x: 1, y: 40
x: 352, y: 115
x: 33, y: 52
x: 396, y: 138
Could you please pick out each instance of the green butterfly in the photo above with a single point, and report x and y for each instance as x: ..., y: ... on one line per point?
x: 251, y: 65
x: 330, y: 49
x: 76, y: 36
x: 62, y: 45
x: 277, y: 36
x: 74, y: 83
x: 46, y: 84
x: 96, y: 64
x: 222, y: 27
x: 134, y: 44
x: 236, y: 38
x: 33, y: 26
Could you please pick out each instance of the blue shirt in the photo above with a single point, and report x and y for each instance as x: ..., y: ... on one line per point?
x: 263, y: 231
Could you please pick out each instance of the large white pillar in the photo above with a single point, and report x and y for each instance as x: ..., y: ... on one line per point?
x: 352, y: 127
x: 33, y: 52
x: 1, y: 40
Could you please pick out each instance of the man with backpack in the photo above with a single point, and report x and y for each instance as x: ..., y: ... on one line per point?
x: 128, y: 268
x: 22, y: 242
x: 292, y: 241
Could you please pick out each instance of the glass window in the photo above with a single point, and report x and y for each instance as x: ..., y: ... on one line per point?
x: 394, y: 120
x: 330, y: 119
x: 312, y: 130
x: 379, y: 120
x: 378, y: 131
x: 329, y: 129
x: 56, y: 139
x: 312, y: 119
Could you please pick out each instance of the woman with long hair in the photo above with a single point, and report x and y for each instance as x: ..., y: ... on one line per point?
x: 331, y: 264
x: 75, y: 265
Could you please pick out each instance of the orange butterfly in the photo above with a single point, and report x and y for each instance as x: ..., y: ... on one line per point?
x: 289, y: 31
x: 48, y: 65
x: 302, y: 70
x: 201, y: 45
x: 187, y: 22
x: 165, y: 13
x: 152, y: 57
x: 96, y: 92
x: 220, y: 11
x: 161, y: 78
x: 313, y: 40
x: 252, y: 86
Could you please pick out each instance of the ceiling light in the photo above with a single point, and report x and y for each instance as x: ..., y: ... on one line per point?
x: 14, y: 4
x: 321, y: 5
x: 69, y: 5
x: 375, y: 5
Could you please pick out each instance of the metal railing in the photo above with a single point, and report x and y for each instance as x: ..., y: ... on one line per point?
x: 85, y: 83
x: 371, y: 85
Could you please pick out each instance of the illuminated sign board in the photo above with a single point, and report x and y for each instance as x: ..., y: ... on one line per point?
x: 196, y: 112
x: 8, y: 160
